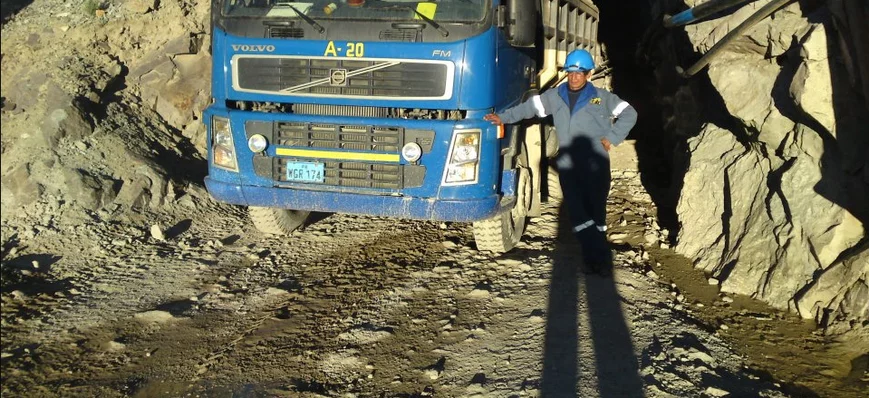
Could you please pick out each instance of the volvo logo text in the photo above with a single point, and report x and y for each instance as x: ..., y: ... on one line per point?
x: 253, y: 48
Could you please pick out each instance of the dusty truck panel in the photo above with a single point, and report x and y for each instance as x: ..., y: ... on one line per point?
x: 567, y: 25
x: 377, y: 108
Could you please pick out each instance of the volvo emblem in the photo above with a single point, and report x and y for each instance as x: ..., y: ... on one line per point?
x: 338, y: 77
x: 253, y: 48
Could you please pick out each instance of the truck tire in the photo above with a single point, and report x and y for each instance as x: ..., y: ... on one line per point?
x: 553, y: 185
x: 277, y: 221
x: 551, y: 141
x: 501, y: 233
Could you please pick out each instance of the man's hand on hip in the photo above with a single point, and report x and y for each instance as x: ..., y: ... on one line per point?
x: 607, y: 145
x: 495, y: 119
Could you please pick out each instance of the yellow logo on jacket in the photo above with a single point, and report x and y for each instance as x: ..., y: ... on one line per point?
x: 595, y: 100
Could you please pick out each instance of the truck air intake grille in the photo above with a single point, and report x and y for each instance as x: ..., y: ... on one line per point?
x: 339, y: 136
x: 399, y: 35
x: 352, y: 174
x: 341, y: 110
x: 341, y: 77
x: 283, y: 33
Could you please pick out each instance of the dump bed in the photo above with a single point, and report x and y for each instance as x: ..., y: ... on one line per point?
x: 567, y: 25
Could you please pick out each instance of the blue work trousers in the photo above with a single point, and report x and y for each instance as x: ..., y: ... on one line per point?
x: 585, y: 188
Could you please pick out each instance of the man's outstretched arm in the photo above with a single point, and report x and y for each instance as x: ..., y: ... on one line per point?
x: 534, y: 106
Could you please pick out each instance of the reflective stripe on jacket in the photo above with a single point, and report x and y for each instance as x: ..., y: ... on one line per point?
x: 597, y: 114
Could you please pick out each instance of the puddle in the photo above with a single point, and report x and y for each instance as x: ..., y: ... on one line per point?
x: 776, y: 344
x: 178, y: 308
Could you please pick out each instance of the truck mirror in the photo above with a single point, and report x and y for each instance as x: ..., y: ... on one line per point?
x: 521, y: 22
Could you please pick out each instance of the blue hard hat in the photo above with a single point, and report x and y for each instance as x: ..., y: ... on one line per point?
x: 579, y: 61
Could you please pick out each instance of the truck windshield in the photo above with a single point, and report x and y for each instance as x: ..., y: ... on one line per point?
x: 380, y: 10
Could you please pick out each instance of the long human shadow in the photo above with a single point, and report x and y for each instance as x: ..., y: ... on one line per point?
x: 8, y: 8
x: 616, y: 364
x: 561, y: 342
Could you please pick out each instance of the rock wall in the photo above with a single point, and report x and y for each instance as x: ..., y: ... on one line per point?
x: 773, y: 136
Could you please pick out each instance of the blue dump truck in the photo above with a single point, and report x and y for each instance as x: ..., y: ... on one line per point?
x: 376, y: 107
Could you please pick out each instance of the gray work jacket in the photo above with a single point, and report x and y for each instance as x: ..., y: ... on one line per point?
x: 597, y: 114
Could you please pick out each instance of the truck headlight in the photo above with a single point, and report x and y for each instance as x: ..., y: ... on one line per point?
x: 463, y: 162
x: 222, y: 150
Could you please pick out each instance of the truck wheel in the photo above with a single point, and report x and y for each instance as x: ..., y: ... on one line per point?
x: 502, y: 232
x: 277, y: 221
x: 553, y: 185
x: 551, y: 140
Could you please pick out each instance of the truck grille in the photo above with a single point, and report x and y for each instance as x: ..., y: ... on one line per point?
x: 339, y: 136
x: 343, y: 77
x: 352, y: 174
x: 352, y: 171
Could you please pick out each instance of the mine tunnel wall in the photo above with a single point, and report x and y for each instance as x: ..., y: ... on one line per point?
x: 758, y: 163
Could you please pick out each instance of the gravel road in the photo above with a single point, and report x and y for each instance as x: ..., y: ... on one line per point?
x: 193, y: 301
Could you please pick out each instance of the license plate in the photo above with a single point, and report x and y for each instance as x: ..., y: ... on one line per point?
x: 305, y: 172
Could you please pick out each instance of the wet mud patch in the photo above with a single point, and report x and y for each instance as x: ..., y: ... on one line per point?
x: 92, y: 362
x: 179, y: 308
x: 780, y: 344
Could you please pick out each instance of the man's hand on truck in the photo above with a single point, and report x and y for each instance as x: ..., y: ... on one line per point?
x: 495, y: 119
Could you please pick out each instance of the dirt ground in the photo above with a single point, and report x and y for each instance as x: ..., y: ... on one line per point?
x: 359, y: 306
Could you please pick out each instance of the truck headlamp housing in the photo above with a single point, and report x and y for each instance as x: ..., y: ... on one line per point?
x: 222, y: 150
x: 464, y: 156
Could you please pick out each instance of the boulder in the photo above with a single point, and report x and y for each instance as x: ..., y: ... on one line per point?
x: 841, y: 292
x: 750, y: 100
x: 88, y: 191
x: 18, y: 188
x: 64, y: 117
x: 754, y: 222
x: 146, y: 187
x: 176, y: 84
x: 21, y: 88
x: 812, y: 88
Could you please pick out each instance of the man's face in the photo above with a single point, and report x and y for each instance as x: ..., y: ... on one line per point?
x: 576, y: 80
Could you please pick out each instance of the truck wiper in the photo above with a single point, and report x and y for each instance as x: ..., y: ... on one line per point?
x: 444, y: 32
x: 307, y: 19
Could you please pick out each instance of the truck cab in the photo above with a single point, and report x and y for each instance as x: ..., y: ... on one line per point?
x: 376, y: 107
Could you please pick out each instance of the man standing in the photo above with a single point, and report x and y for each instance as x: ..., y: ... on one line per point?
x: 588, y: 122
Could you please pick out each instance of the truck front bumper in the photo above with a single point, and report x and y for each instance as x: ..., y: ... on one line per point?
x: 342, y: 202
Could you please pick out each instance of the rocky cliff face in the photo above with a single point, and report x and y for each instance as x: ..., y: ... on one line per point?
x: 774, y: 196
